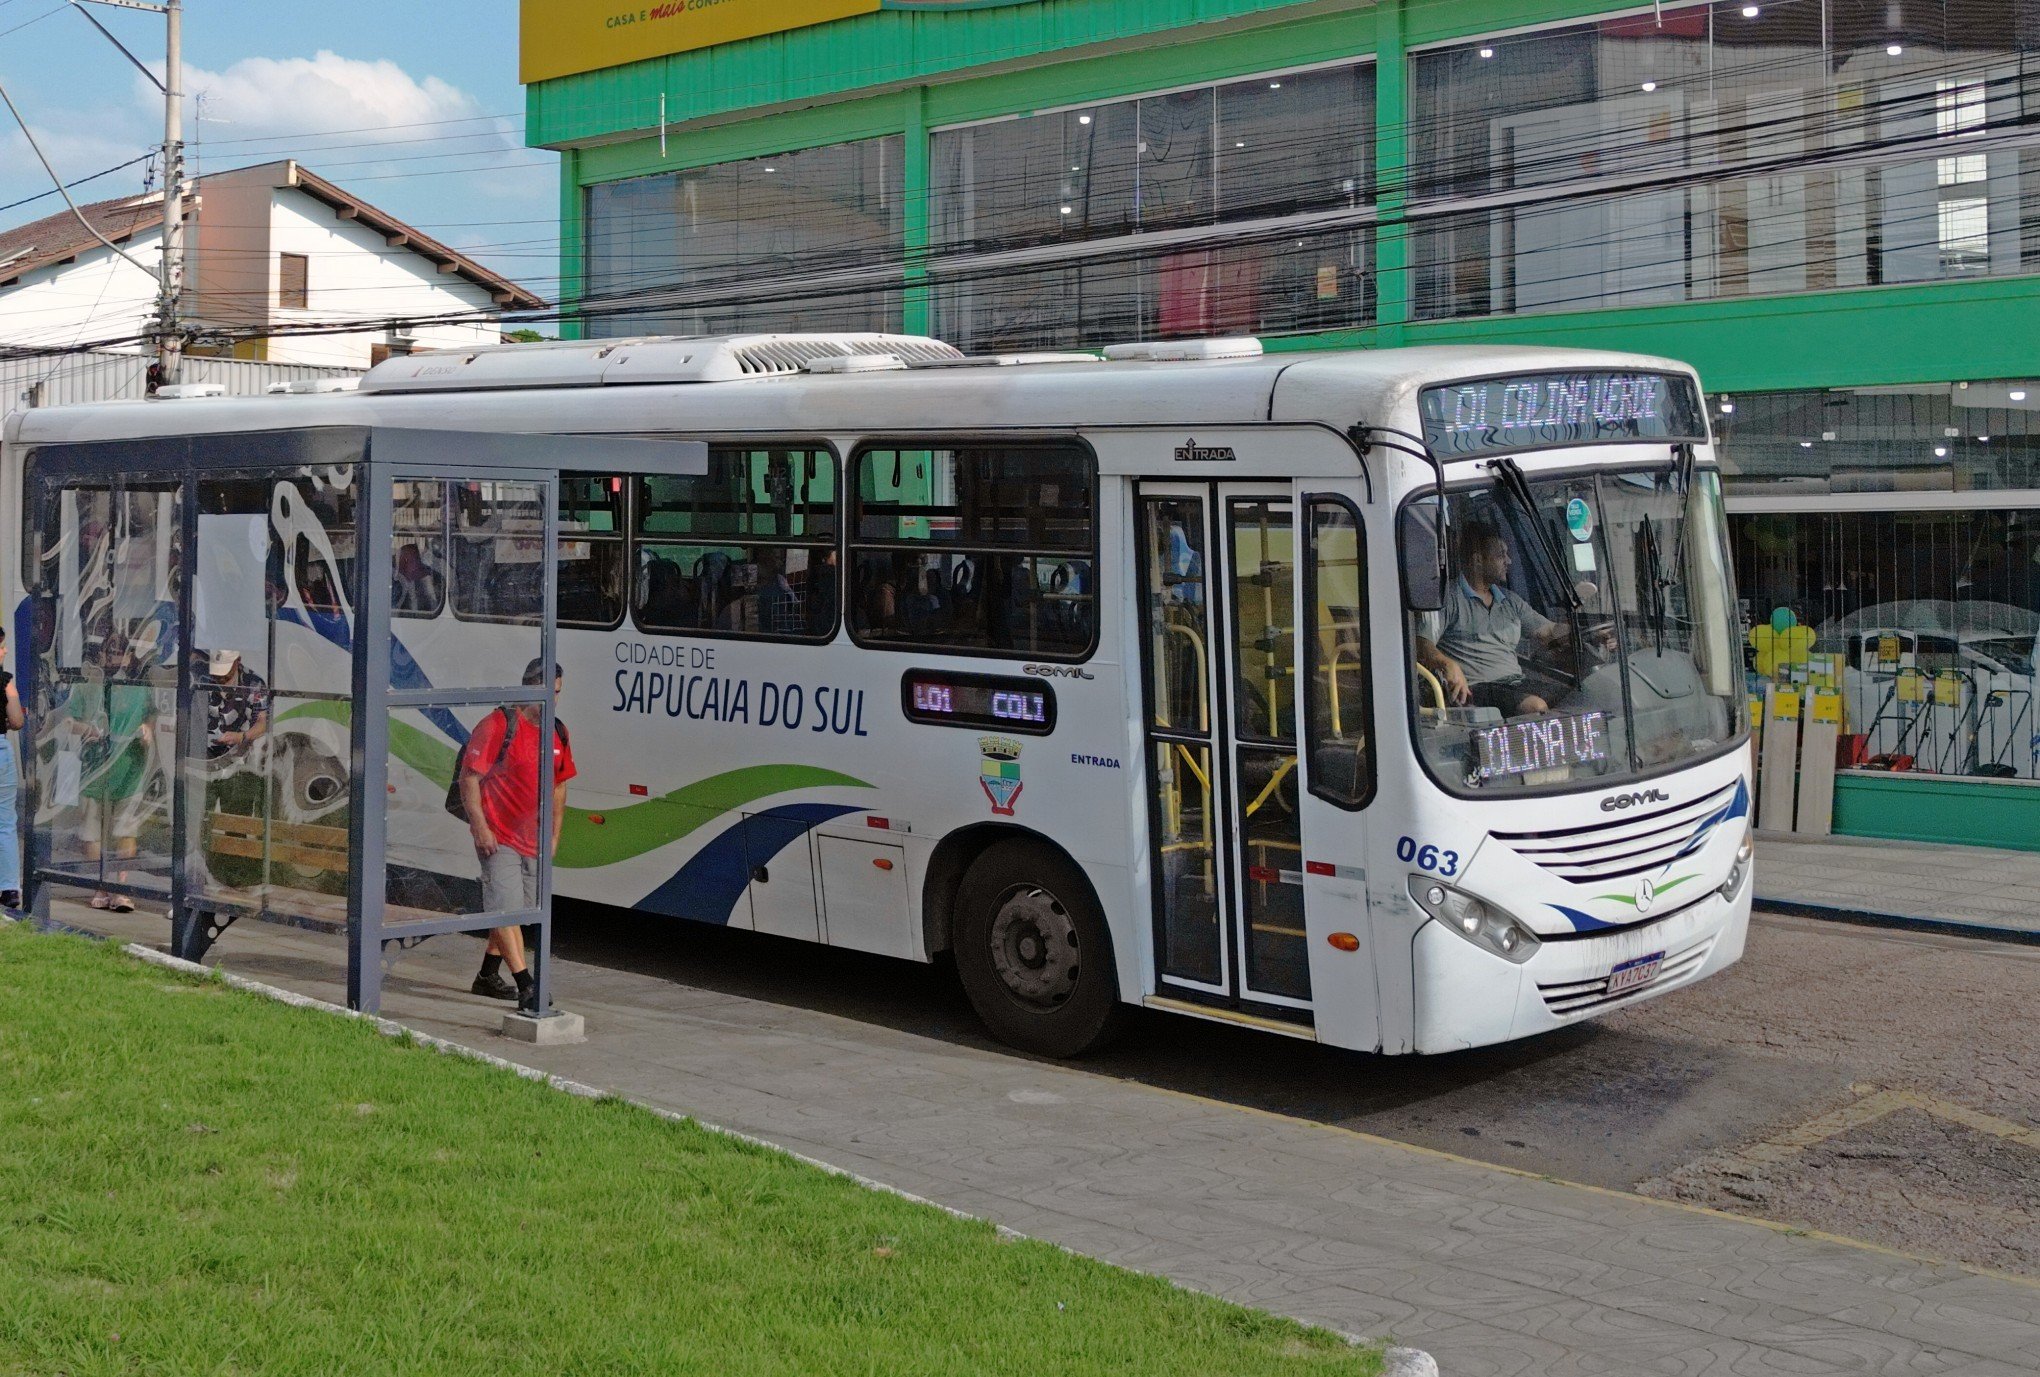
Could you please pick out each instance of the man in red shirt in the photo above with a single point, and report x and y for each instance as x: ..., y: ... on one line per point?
x: 499, y: 792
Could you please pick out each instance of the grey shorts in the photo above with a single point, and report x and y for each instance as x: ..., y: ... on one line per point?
x: 509, y: 881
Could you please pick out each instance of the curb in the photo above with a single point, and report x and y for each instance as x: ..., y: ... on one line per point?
x: 1899, y: 922
x: 1396, y: 1361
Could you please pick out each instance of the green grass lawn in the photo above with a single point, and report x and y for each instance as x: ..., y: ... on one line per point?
x: 193, y: 1180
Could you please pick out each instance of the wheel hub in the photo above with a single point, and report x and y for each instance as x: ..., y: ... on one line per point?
x: 1034, y: 947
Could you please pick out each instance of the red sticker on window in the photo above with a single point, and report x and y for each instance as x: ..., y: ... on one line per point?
x: 640, y: 791
x: 1320, y: 867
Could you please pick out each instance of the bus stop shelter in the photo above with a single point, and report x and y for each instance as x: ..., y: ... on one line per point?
x: 252, y: 660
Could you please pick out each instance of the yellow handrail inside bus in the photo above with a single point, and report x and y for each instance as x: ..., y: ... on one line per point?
x: 1436, y: 687
x: 1203, y: 672
x: 1282, y: 773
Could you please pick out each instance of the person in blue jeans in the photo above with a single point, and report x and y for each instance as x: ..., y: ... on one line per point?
x: 10, y: 776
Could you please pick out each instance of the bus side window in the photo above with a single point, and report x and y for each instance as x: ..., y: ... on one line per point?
x: 746, y: 549
x: 591, y: 550
x: 979, y: 549
x: 1338, y: 693
x: 418, y: 550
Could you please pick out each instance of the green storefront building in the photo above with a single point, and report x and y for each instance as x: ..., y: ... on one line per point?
x: 1830, y: 207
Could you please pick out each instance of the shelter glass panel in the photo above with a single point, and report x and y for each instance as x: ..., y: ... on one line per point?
x: 275, y: 593
x: 439, y: 863
x: 496, y: 575
x: 101, y: 689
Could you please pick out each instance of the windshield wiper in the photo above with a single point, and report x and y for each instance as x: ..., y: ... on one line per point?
x: 1684, y: 465
x: 1509, y: 477
x: 1654, y: 570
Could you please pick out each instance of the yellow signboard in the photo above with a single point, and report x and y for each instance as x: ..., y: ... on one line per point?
x: 562, y: 37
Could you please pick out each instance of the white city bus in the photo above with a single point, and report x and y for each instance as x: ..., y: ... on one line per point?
x: 1153, y: 680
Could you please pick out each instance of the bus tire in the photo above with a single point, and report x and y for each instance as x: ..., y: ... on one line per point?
x: 1033, y: 951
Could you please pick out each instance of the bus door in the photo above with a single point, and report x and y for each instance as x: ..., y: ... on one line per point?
x: 1218, y: 588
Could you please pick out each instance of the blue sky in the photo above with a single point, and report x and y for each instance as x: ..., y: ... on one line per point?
x: 412, y: 105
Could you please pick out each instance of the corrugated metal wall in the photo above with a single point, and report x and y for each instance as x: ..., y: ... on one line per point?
x: 108, y: 377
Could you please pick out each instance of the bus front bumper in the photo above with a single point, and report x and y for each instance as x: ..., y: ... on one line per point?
x: 1466, y: 996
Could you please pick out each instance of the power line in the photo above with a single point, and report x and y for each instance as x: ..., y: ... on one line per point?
x: 104, y: 172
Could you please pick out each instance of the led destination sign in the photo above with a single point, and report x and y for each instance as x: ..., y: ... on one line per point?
x: 1539, y: 743
x: 978, y: 700
x: 1538, y: 410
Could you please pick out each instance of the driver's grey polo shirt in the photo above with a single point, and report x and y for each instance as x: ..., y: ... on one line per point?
x: 1483, y: 637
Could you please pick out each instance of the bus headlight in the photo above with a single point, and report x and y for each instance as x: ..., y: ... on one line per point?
x: 1739, y: 868
x: 1478, y: 921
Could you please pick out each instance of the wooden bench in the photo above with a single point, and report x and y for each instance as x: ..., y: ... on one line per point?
x: 305, y: 845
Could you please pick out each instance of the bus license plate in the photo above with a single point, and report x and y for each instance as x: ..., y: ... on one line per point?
x: 1637, y: 971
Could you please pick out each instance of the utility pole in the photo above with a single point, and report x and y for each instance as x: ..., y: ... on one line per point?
x: 169, y: 329
x: 169, y: 337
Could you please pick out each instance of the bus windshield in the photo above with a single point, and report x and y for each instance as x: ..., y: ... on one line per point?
x: 1587, y: 634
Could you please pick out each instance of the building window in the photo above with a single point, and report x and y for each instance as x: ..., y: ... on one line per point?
x: 976, y: 550
x: 1931, y: 605
x: 747, y: 549
x: 1724, y: 150
x: 1035, y: 218
x: 808, y: 240
x: 293, y: 271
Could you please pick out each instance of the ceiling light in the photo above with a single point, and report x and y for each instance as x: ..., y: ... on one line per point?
x: 1940, y: 451
x: 1075, y: 168
x: 1983, y: 439
x: 1241, y: 143
x: 769, y: 167
x: 1066, y: 210
x: 2018, y: 394
x: 1806, y: 444
x: 1750, y: 11
x: 1274, y: 85
x: 1727, y: 406
x: 1487, y: 52
x: 1894, y: 49
x: 1083, y: 119
x: 1650, y: 86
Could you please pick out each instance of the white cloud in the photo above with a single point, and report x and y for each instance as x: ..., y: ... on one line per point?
x: 267, y: 97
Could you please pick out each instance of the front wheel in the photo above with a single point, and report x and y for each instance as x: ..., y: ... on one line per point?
x: 1033, y: 951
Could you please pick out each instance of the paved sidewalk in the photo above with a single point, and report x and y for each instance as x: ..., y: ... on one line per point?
x: 1494, y: 1272
x: 1958, y: 889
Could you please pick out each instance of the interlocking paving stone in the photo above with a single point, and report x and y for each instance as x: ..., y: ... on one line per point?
x: 1494, y: 1272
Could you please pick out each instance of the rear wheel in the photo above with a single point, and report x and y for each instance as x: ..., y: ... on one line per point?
x: 1033, y: 951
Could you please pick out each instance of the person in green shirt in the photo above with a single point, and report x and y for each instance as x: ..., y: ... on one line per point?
x: 113, y: 719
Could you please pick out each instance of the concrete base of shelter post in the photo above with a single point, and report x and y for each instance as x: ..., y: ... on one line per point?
x: 553, y: 1028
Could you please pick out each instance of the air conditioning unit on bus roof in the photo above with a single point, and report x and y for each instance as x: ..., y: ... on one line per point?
x: 613, y: 362
x: 1184, y: 350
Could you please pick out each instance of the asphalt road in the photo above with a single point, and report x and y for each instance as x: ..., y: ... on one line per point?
x: 1878, y: 1085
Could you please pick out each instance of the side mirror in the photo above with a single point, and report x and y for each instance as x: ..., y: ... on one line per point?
x: 1420, y: 547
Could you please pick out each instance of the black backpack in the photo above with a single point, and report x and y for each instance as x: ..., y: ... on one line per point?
x: 454, y: 803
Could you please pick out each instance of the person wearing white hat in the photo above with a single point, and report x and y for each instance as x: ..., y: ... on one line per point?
x: 237, y: 706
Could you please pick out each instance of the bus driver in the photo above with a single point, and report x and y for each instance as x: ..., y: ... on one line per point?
x: 1471, y: 643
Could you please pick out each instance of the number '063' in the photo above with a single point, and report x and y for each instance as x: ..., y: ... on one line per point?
x: 1425, y: 856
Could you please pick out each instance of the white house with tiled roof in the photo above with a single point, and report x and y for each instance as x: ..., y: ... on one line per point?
x: 268, y: 247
